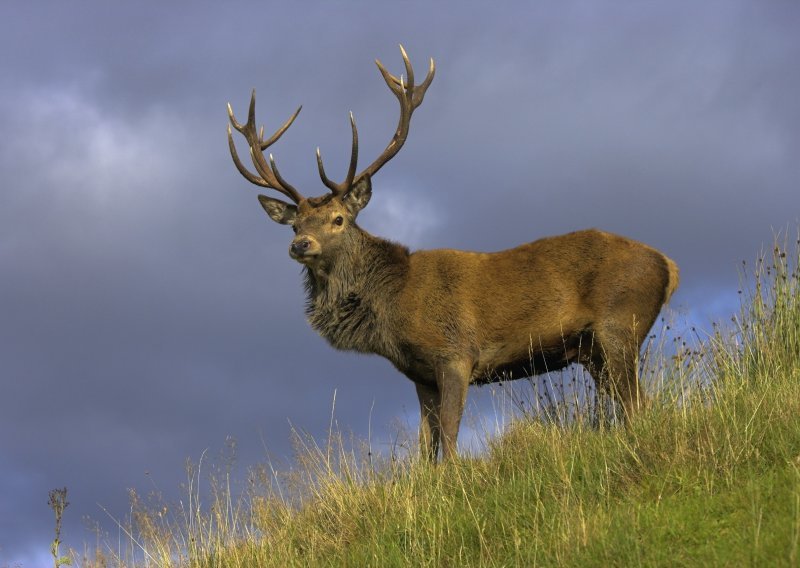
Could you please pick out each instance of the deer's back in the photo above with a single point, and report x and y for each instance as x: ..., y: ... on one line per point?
x: 502, y: 305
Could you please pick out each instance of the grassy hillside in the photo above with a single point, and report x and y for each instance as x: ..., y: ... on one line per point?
x: 709, y: 476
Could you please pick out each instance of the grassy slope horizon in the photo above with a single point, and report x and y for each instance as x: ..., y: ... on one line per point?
x: 709, y: 475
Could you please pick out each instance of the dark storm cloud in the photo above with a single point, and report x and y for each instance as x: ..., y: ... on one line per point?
x: 148, y: 309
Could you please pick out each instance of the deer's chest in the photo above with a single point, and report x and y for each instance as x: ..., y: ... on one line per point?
x: 347, y: 322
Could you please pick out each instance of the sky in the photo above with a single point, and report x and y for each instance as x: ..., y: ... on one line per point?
x: 149, y: 309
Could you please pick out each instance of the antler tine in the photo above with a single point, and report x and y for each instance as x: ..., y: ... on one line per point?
x: 269, y: 176
x: 238, y: 163
x: 251, y: 111
x: 233, y: 120
x: 419, y: 92
x: 351, y: 171
x: 332, y: 185
x: 394, y: 83
x: 409, y: 70
x: 277, y: 173
x: 340, y: 188
x: 281, y: 130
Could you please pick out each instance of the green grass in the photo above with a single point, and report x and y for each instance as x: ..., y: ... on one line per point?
x: 709, y: 475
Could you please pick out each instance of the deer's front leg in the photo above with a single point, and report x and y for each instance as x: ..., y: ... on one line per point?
x: 453, y: 381
x: 430, y: 403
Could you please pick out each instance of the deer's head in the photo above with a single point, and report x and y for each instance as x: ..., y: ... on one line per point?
x: 322, y: 224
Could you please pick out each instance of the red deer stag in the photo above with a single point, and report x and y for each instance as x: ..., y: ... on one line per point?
x: 448, y: 318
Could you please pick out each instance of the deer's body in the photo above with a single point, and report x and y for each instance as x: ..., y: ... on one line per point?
x: 448, y: 318
x: 512, y: 312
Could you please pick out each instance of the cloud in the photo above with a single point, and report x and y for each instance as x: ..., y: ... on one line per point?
x: 401, y: 215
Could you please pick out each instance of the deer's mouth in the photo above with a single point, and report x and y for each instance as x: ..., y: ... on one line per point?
x: 304, y: 257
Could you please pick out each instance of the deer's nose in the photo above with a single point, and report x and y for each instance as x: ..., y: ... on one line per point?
x: 300, y: 247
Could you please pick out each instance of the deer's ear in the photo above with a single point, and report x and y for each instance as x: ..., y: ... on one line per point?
x: 278, y: 211
x: 358, y: 196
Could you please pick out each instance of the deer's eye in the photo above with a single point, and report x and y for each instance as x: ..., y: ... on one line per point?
x: 339, y: 220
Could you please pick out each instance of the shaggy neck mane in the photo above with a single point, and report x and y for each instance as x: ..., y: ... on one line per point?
x: 346, y: 292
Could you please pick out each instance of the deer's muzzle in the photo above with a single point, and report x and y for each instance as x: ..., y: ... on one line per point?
x: 304, y: 247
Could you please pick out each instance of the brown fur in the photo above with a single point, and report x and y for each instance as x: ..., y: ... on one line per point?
x: 448, y: 318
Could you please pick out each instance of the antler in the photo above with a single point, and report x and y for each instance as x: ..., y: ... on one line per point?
x: 410, y: 97
x: 269, y: 175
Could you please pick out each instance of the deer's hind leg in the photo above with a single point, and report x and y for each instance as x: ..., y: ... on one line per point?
x: 613, y: 360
